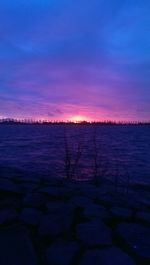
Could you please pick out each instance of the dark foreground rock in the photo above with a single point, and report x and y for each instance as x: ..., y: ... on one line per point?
x: 119, y: 212
x: 112, y: 256
x: 34, y: 199
x: 8, y: 186
x: 91, y: 211
x: 53, y: 192
x: 70, y: 223
x: 60, y: 207
x: 61, y: 253
x: 94, y: 233
x: 55, y: 224
x: 80, y: 201
x: 16, y: 247
x: 30, y: 216
x: 137, y: 237
x: 143, y: 216
x: 7, y: 215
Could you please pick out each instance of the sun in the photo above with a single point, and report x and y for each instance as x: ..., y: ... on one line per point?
x: 78, y: 118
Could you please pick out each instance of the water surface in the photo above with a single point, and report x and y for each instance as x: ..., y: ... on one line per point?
x: 40, y: 151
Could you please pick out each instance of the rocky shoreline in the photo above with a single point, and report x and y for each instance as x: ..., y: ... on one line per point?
x: 61, y: 222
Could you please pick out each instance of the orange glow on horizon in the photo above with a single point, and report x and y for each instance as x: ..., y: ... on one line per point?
x: 79, y: 118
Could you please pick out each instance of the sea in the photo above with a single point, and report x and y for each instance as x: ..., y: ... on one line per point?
x: 81, y: 152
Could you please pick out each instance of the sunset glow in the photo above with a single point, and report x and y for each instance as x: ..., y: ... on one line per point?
x: 63, y: 60
x: 79, y: 118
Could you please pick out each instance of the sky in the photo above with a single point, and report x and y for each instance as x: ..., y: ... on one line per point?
x: 75, y: 59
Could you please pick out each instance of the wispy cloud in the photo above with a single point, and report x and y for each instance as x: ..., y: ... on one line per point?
x: 62, y: 58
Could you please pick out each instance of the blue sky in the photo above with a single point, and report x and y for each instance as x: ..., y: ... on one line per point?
x: 62, y: 59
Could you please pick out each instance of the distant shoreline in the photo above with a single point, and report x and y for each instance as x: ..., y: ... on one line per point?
x: 107, y: 123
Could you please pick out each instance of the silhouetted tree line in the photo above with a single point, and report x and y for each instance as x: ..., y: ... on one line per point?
x: 105, y: 122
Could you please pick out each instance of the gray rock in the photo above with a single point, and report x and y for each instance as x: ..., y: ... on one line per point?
x: 7, y: 215
x: 80, y: 201
x: 143, y: 216
x: 69, y: 193
x: 34, y: 200
x: 106, y: 199
x: 28, y: 187
x: 29, y: 178
x: 72, y: 187
x: 57, y: 207
x: 31, y: 216
x: 94, y: 233
x: 121, y: 212
x: 10, y: 202
x: 53, y: 192
x: 137, y: 237
x: 51, y: 181
x: 111, y: 256
x: 8, y: 186
x: 16, y: 247
x: 53, y: 225
x: 94, y: 210
x: 61, y: 253
x: 89, y: 191
x: 145, y: 201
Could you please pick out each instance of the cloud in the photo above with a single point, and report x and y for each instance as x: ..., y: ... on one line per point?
x: 59, y: 58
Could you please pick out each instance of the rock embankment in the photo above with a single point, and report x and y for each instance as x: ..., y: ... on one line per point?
x: 70, y: 223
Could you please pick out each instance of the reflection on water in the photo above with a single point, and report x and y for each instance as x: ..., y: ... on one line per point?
x: 40, y: 150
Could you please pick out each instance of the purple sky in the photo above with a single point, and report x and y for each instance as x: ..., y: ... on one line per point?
x: 60, y: 59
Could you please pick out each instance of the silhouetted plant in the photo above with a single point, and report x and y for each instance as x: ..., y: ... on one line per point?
x: 67, y: 157
x: 99, y: 168
x: 77, y: 158
x: 95, y: 155
x: 116, y: 178
x: 127, y: 180
x: 72, y: 157
x: 121, y: 180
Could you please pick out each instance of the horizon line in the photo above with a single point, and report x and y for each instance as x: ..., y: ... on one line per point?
x: 45, y: 121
